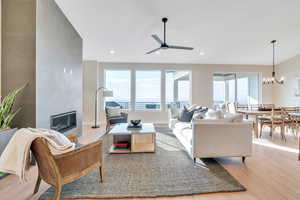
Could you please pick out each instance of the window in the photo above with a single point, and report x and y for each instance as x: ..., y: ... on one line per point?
x: 148, y: 84
x: 242, y: 88
x: 177, y: 88
x: 119, y: 83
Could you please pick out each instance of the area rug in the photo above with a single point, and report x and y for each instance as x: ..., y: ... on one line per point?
x: 167, y: 172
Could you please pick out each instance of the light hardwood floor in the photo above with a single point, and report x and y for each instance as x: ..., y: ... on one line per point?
x: 272, y: 173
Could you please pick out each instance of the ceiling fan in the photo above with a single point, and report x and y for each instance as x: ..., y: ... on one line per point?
x: 163, y: 44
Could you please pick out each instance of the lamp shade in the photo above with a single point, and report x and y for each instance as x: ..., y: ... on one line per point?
x: 107, y: 93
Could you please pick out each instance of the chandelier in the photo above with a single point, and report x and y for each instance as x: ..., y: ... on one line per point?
x: 273, y: 79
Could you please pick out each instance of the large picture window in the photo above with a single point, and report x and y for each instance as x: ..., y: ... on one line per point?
x: 144, y: 90
x: 119, y: 83
x: 242, y: 88
x: 177, y: 88
x: 148, y: 84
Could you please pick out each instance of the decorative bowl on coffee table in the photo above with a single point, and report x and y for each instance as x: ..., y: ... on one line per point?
x: 135, y: 122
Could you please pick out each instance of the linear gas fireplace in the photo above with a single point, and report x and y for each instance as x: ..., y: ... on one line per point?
x: 63, y: 122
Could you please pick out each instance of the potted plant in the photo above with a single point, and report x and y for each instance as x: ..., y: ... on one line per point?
x: 7, y: 114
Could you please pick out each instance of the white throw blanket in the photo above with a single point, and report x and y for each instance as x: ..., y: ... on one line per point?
x: 14, y: 159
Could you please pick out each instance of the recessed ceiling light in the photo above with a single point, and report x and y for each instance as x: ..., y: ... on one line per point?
x: 157, y: 52
x: 112, y: 52
x: 202, y: 53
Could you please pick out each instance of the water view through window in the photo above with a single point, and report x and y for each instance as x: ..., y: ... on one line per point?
x: 148, y: 89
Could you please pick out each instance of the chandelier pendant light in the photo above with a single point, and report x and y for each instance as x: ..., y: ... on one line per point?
x: 273, y: 79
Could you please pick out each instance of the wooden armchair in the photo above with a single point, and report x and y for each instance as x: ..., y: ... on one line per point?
x: 58, y: 170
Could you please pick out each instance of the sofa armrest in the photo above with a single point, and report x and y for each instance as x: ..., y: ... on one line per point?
x: 222, y: 139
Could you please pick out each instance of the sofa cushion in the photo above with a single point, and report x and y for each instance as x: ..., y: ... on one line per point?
x: 183, y: 125
x: 172, y: 123
x: 237, y: 117
x: 187, y: 133
x: 214, y: 114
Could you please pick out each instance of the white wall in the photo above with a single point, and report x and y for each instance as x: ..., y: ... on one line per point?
x: 202, y: 85
x: 283, y: 95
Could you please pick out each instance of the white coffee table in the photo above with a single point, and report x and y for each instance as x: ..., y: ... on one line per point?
x: 141, y: 140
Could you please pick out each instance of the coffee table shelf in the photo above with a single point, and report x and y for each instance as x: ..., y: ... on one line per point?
x: 140, y: 140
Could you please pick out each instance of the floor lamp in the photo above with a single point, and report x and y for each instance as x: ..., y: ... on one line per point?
x: 105, y: 93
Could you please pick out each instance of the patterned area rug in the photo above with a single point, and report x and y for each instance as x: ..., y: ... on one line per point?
x: 168, y: 172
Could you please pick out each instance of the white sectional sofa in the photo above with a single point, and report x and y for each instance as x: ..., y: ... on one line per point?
x: 211, y: 138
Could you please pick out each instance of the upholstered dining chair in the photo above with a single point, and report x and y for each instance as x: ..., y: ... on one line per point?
x: 57, y: 170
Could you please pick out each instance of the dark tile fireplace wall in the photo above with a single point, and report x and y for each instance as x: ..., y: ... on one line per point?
x: 63, y: 122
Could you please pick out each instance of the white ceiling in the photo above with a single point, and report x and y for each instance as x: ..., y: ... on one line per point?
x: 229, y: 32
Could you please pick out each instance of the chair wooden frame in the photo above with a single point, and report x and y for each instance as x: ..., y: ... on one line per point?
x: 275, y: 120
x: 58, y: 170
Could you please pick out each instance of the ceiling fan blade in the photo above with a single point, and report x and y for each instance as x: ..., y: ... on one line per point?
x: 180, y: 47
x: 155, y: 37
x: 153, y: 50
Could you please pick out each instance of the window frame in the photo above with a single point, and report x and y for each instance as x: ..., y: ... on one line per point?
x: 133, y: 70
x: 241, y: 74
x: 190, y: 85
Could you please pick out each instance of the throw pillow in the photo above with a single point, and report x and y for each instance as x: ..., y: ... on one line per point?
x: 234, y: 117
x: 114, y: 111
x: 200, y: 113
x: 185, y: 115
x: 174, y: 113
x: 214, y: 114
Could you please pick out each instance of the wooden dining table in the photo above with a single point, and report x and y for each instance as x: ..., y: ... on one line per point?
x: 256, y: 114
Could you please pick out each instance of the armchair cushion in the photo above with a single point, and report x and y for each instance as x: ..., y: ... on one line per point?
x: 113, y: 111
x: 119, y: 119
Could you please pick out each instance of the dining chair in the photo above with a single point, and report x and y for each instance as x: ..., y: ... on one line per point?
x: 276, y: 119
x: 291, y: 122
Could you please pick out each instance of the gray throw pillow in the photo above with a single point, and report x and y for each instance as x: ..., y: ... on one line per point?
x: 185, y: 115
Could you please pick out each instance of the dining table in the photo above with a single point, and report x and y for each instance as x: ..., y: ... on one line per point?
x: 256, y: 114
